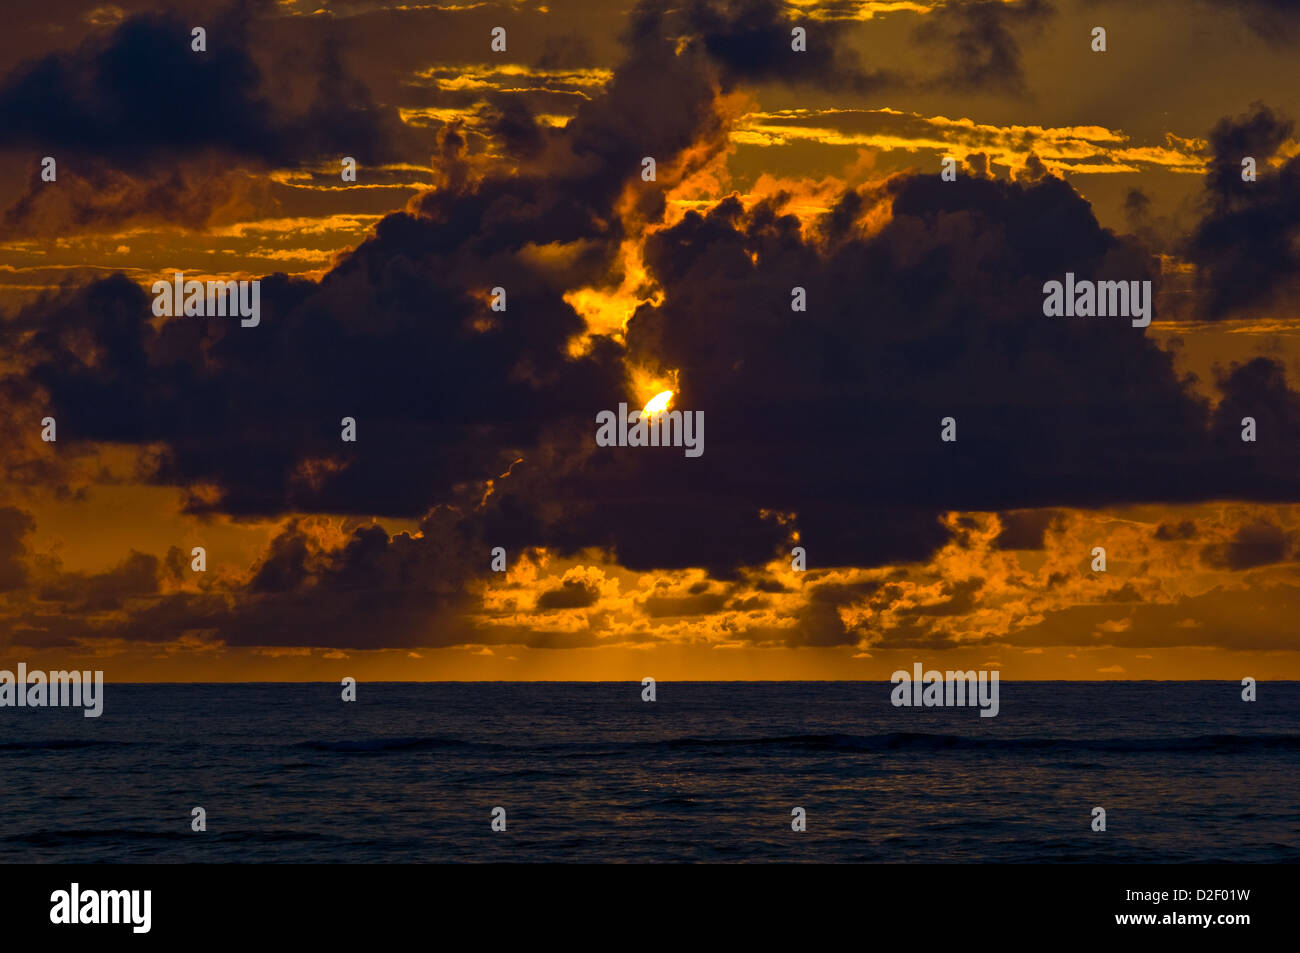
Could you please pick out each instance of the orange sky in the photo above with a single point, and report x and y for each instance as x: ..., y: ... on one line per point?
x: 1201, y: 589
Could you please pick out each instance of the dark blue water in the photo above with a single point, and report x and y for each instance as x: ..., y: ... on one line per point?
x: 588, y: 772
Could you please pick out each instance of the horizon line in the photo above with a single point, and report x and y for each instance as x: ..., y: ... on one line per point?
x: 660, y: 681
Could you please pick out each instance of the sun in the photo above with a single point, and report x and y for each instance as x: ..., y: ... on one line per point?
x: 658, y: 403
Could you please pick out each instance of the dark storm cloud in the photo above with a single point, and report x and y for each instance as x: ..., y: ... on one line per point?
x: 1125, y: 593
x: 135, y: 576
x: 818, y: 624
x: 981, y: 41
x: 1267, y: 466
x: 398, y: 336
x: 703, y: 603
x: 514, y: 127
x: 373, y: 591
x: 959, y: 599
x: 47, y: 606
x: 1171, y: 531
x: 1247, y: 246
x: 1256, y: 544
x: 146, y: 129
x: 1025, y: 529
x: 571, y: 594
x: 284, y: 567
x: 92, y: 195
x: 446, y: 393
x: 751, y: 41
x: 139, y: 97
x: 257, y: 411
x: 833, y: 415
x: 938, y: 314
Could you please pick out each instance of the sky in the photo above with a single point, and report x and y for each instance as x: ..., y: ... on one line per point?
x: 522, y: 169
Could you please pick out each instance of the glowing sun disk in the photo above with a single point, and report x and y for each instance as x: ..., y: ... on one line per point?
x: 658, y: 403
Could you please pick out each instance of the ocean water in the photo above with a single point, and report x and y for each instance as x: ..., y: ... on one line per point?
x: 1186, y: 771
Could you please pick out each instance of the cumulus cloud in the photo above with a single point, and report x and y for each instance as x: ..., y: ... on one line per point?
x: 1246, y: 244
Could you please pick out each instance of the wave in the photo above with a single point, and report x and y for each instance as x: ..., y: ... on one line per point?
x: 57, y: 744
x: 379, y: 745
x: 885, y: 741
x: 915, y: 740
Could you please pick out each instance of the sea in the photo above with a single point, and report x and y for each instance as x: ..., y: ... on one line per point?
x: 709, y: 772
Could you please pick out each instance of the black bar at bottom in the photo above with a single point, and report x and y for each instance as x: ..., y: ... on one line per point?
x: 657, y: 904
